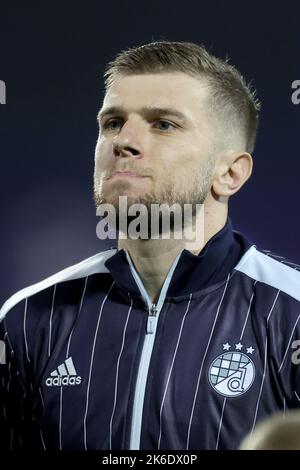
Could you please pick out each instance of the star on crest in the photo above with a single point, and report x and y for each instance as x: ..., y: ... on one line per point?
x: 250, y: 350
x: 239, y: 346
x: 226, y: 346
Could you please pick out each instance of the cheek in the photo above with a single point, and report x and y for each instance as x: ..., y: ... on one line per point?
x: 186, y: 163
x: 102, y: 154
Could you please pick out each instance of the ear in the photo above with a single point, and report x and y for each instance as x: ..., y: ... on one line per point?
x: 232, y: 172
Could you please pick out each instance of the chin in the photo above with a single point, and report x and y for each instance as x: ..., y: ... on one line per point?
x: 113, y: 198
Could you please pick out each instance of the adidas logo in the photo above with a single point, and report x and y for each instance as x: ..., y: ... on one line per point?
x: 65, y: 374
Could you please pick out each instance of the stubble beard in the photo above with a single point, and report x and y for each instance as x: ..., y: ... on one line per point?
x: 194, y: 195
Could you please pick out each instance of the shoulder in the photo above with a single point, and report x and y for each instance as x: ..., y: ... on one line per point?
x: 271, y: 269
x: 92, y: 265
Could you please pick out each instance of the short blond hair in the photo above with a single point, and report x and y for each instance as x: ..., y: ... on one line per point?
x: 278, y: 432
x: 232, y: 99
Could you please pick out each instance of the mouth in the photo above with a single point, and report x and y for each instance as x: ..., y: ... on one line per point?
x: 127, y: 174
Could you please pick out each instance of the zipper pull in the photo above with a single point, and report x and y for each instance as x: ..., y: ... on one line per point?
x: 151, y: 319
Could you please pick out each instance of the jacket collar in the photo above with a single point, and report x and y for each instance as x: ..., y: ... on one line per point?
x: 193, y: 272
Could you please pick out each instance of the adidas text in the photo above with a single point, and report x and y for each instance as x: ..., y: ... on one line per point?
x: 59, y: 381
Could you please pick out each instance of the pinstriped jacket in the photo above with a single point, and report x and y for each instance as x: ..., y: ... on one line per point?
x: 90, y: 363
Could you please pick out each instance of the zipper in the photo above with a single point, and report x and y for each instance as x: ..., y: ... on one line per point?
x: 152, y: 321
x: 152, y: 312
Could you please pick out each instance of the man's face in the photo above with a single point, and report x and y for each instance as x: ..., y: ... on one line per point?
x: 158, y: 132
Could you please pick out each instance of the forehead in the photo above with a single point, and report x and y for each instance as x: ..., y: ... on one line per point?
x: 175, y: 89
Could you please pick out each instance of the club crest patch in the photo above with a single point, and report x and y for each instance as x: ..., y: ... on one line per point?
x: 231, y: 374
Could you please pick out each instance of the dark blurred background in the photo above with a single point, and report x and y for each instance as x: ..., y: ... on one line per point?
x: 52, y: 57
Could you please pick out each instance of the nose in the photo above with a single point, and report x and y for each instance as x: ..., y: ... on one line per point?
x: 124, y: 149
x: 126, y: 143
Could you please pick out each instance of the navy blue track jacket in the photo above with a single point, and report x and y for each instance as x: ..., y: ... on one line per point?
x: 90, y: 363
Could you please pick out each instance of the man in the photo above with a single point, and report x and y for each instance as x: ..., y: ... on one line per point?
x: 153, y: 345
x: 279, y: 432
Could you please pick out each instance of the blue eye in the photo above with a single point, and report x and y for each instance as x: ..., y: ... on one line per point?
x: 165, y: 125
x: 108, y: 124
x: 113, y: 124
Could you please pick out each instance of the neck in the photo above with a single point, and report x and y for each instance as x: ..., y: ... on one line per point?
x: 153, y: 258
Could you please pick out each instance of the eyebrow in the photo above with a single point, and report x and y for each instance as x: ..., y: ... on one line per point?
x: 146, y: 111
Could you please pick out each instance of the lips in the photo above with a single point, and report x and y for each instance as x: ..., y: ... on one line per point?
x: 127, y: 173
